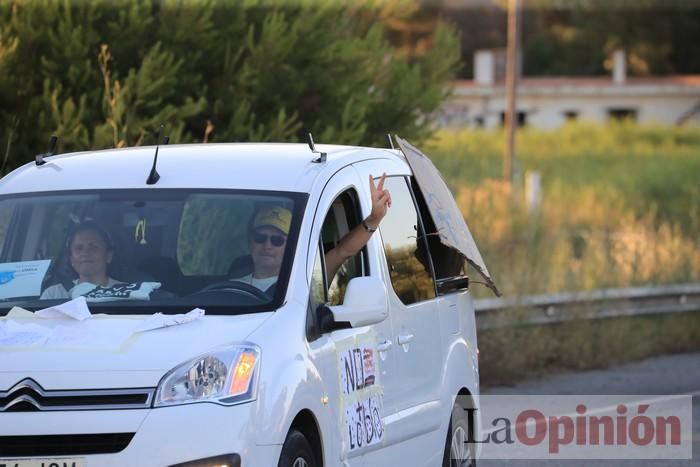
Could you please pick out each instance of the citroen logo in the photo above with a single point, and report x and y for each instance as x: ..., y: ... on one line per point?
x: 23, y: 396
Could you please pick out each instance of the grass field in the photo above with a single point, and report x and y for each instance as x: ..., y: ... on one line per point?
x: 620, y: 205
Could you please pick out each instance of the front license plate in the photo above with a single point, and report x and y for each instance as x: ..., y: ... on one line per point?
x: 62, y: 462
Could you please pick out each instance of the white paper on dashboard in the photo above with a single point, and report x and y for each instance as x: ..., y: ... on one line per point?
x: 23, y: 278
x: 76, y: 309
x: 159, y: 320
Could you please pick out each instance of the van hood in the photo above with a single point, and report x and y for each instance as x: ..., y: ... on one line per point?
x: 106, y: 352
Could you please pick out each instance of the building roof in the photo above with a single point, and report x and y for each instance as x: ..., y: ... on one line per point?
x: 675, y: 80
x: 581, y: 85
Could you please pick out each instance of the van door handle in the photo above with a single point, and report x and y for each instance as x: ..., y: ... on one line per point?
x: 405, y: 339
x: 384, y: 346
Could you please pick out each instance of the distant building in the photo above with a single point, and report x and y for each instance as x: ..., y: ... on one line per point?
x: 548, y: 102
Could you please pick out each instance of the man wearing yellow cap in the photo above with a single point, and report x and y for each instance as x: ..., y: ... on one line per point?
x: 268, y: 238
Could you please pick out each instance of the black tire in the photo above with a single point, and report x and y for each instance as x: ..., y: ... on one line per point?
x: 297, y: 451
x: 457, y: 452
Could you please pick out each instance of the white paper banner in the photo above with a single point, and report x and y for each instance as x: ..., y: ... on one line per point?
x: 159, y: 320
x: 360, y: 393
x: 76, y: 309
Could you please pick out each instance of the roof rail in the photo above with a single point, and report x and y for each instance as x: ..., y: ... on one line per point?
x: 322, y: 155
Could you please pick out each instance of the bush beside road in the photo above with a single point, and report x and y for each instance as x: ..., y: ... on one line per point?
x: 514, y: 353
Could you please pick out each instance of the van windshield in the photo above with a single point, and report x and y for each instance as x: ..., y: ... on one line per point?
x: 147, y: 251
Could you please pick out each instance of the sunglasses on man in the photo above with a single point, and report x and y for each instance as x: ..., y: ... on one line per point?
x: 275, y: 240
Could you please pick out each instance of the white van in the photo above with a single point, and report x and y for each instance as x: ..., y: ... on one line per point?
x: 181, y: 360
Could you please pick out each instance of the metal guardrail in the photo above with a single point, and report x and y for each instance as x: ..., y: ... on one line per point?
x: 598, y: 304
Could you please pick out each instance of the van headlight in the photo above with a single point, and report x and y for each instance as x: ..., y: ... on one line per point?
x: 227, y: 376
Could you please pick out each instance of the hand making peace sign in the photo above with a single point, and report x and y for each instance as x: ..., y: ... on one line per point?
x: 381, y: 201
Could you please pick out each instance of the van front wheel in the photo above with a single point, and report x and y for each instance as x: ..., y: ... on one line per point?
x: 297, y: 452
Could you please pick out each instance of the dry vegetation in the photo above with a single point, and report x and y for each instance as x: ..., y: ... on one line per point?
x: 620, y: 207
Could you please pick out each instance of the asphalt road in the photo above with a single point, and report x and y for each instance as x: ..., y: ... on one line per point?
x: 666, y: 375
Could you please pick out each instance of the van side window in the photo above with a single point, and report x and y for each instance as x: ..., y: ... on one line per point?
x: 405, y: 247
x: 448, y: 262
x: 342, y: 216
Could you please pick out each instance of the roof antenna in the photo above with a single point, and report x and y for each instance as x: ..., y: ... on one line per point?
x: 322, y: 155
x: 154, y: 176
x: 39, y: 158
x: 391, y: 142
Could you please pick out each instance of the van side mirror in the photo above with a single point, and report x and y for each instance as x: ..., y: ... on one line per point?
x: 364, y: 304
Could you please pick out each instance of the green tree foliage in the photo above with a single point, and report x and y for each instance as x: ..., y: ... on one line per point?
x: 109, y: 73
x: 576, y: 37
x: 583, y: 37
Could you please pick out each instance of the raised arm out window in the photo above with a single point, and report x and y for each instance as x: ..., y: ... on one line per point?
x: 342, y: 217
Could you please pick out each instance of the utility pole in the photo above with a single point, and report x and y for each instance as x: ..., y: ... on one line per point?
x: 511, y: 117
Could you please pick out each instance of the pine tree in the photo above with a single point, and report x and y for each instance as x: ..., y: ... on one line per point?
x: 108, y: 74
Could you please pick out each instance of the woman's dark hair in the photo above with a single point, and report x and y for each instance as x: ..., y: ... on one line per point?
x: 91, y: 226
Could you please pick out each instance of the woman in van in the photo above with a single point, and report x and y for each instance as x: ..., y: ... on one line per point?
x: 90, y: 253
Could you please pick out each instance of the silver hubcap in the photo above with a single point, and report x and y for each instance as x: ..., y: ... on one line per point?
x: 459, y: 451
x: 300, y: 462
